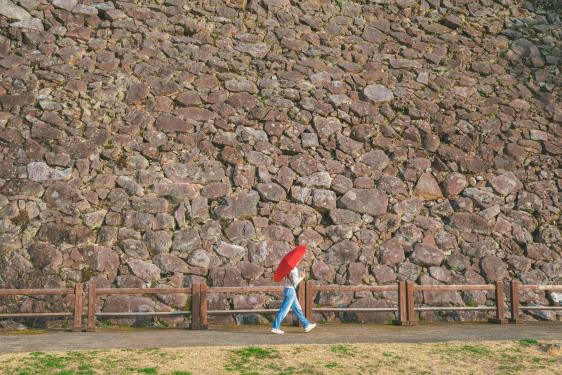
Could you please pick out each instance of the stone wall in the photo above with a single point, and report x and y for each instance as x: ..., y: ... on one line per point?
x: 158, y: 143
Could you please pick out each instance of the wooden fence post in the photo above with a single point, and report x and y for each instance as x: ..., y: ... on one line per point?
x: 195, y: 306
x: 410, y: 312
x: 78, y: 306
x: 402, y: 314
x: 308, y: 303
x: 500, y: 310
x: 203, y: 324
x: 91, y: 307
x: 514, y: 294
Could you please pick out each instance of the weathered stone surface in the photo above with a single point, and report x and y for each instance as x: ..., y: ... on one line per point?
x: 101, y: 259
x: 378, y: 93
x: 40, y: 171
x: 391, y: 252
x: 186, y: 240
x: 230, y: 251
x: 199, y: 258
x: 470, y: 222
x: 341, y: 216
x: 454, y: 184
x: 506, y: 183
x: 322, y: 271
x: 135, y: 248
x: 267, y: 253
x: 343, y: 252
x: 427, y: 255
x: 170, y: 263
x: 323, y: 199
x: 271, y: 192
x: 493, y: 269
x: 366, y: 201
x: 148, y: 272
x: 397, y: 143
x: 376, y: 159
x: 428, y: 188
x: 11, y: 11
x: 240, y: 230
x: 45, y: 256
x: 158, y: 241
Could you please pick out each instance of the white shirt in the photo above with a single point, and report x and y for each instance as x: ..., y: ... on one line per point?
x: 293, y: 278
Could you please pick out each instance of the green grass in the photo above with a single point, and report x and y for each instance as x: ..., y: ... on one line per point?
x: 529, y: 342
x: 342, y: 350
x: 247, y: 361
x: 148, y: 370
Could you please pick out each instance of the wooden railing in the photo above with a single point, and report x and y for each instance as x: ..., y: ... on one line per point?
x: 405, y: 308
x: 78, y: 303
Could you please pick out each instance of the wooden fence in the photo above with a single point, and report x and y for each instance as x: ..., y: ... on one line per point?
x: 405, y: 308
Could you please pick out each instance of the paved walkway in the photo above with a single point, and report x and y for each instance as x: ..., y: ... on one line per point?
x: 259, y: 335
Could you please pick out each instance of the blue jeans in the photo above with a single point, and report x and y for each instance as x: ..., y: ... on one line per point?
x: 290, y: 300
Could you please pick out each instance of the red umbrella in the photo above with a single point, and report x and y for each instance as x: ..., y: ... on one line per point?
x: 289, y: 262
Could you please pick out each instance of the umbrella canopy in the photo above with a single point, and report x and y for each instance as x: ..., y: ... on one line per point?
x: 289, y: 262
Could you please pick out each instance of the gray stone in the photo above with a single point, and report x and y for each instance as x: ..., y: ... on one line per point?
x: 323, y: 199
x: 65, y: 4
x: 40, y: 171
x: 239, y: 206
x: 494, y: 269
x: 454, y: 184
x: 506, y: 183
x: 232, y: 252
x: 378, y: 93
x: 11, y: 11
x: 322, y: 271
x: 158, y: 241
x: 130, y: 185
x: 148, y: 272
x: 170, y: 263
x: 341, y: 216
x: 135, y: 248
x: 151, y: 205
x: 240, y: 230
x: 186, y: 240
x: 427, y: 255
x: 483, y: 198
x: 271, y: 192
x: 267, y: 253
x: 383, y: 274
x: 391, y: 252
x: 256, y: 50
x: 34, y: 24
x: 468, y: 222
x: 366, y: 201
x: 376, y: 159
x: 343, y: 252
x: 199, y: 258
x: 319, y: 180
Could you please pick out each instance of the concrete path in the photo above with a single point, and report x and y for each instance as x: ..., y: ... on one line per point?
x: 259, y: 335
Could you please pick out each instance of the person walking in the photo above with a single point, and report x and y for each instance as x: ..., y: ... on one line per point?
x: 290, y: 300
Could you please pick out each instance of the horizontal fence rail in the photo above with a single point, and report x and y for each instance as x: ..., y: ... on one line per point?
x: 78, y: 293
x: 406, y: 308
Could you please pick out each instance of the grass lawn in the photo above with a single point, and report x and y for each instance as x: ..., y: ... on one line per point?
x: 499, y: 357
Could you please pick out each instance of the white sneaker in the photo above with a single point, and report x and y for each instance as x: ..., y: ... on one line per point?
x: 310, y: 327
x: 277, y: 331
